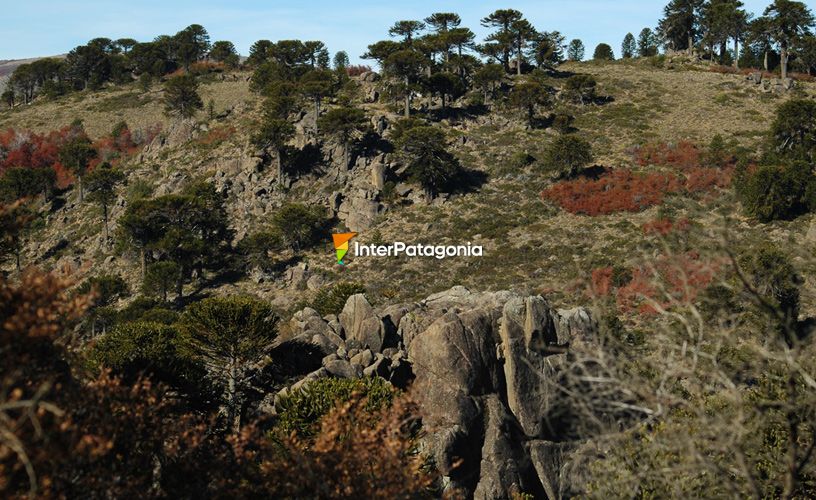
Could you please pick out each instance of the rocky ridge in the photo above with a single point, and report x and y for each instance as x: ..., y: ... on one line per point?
x: 482, y: 367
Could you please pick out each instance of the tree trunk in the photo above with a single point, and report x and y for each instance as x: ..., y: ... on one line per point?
x: 81, y: 193
x: 279, y: 163
x: 317, y: 113
x: 690, y: 43
x: 232, y: 399
x: 407, y: 105
x: 144, y: 264
x: 766, y: 61
x: 736, y: 52
x: 518, y: 59
x: 784, y: 60
x: 105, y: 216
x: 17, y: 258
x: 180, y: 284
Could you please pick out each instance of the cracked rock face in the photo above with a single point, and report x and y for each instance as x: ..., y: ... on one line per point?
x: 483, y: 367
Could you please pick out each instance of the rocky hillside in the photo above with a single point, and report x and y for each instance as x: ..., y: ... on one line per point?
x: 483, y: 344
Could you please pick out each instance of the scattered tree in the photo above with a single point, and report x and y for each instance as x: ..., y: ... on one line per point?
x: 629, y: 46
x: 181, y: 96
x: 603, y: 52
x: 787, y: 21
x: 566, y: 155
x: 76, y: 155
x: 228, y: 335
x: 101, y: 185
x: 575, y: 51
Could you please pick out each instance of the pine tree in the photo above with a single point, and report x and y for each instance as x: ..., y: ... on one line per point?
x: 647, y: 44
x: 603, y: 52
x: 503, y: 38
x: 575, y: 51
x: 629, y: 47
x: 787, y: 21
x: 680, y: 24
x: 101, y: 185
x: 344, y: 123
x: 76, y: 154
x: 181, y: 96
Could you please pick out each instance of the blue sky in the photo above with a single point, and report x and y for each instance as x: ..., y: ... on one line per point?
x: 48, y: 27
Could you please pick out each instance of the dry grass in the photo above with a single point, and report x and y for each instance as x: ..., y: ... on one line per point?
x: 100, y: 111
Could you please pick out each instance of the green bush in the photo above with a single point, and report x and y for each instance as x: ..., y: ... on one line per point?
x: 777, y: 193
x: 255, y: 247
x: 301, y: 411
x: 108, y: 289
x: 301, y: 227
x: 132, y: 349
x: 774, y: 278
x: 566, y: 155
x: 580, y: 88
x: 562, y: 122
x: 603, y: 52
x: 793, y: 132
x: 160, y: 278
x: 330, y: 300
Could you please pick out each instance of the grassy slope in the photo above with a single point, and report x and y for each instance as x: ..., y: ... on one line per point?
x: 528, y: 244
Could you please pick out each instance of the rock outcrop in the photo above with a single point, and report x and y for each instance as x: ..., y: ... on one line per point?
x: 483, y: 367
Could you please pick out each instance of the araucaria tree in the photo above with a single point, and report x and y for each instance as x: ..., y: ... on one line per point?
x: 647, y: 43
x: 181, y: 96
x: 527, y: 96
x: 429, y: 162
x: 229, y: 335
x: 628, y: 47
x: 680, y: 24
x: 101, y: 184
x: 603, y: 52
x: 274, y: 133
x: 575, y: 50
x: 787, y: 22
x: 344, y: 123
x: 76, y: 154
x: 503, y: 39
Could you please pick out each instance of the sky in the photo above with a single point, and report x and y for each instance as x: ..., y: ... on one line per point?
x: 51, y: 27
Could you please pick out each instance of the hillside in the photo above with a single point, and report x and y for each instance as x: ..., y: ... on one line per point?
x: 642, y: 307
x: 524, y: 237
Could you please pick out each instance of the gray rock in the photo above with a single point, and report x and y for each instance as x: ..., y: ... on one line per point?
x: 361, y: 324
x: 341, y: 368
x: 363, y: 359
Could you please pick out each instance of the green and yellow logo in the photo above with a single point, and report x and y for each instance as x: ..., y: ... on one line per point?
x: 341, y: 245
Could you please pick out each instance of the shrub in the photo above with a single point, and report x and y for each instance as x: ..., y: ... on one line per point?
x: 777, y: 193
x: 330, y: 300
x: 793, y: 132
x: 300, y: 226
x: 160, y: 278
x: 580, y: 88
x: 301, y: 411
x: 133, y: 348
x: 107, y: 289
x: 774, y: 278
x: 619, y: 191
x: 566, y: 155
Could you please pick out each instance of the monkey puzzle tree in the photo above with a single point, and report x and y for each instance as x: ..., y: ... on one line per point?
x: 488, y: 77
x: 442, y: 23
x: 316, y: 85
x: 15, y: 222
x: 228, y: 335
x: 429, y: 162
x: 274, y: 132
x: 224, y: 51
x: 787, y: 21
x: 575, y: 50
x: 680, y: 24
x: 101, y: 185
x: 76, y: 154
x: 405, y: 66
x: 527, y: 96
x: 628, y: 47
x: 503, y: 38
x: 181, y: 96
x: 344, y: 123
x: 603, y: 52
x: 407, y: 30
x: 647, y: 43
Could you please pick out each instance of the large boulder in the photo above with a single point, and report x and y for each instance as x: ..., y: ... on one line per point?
x: 361, y: 324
